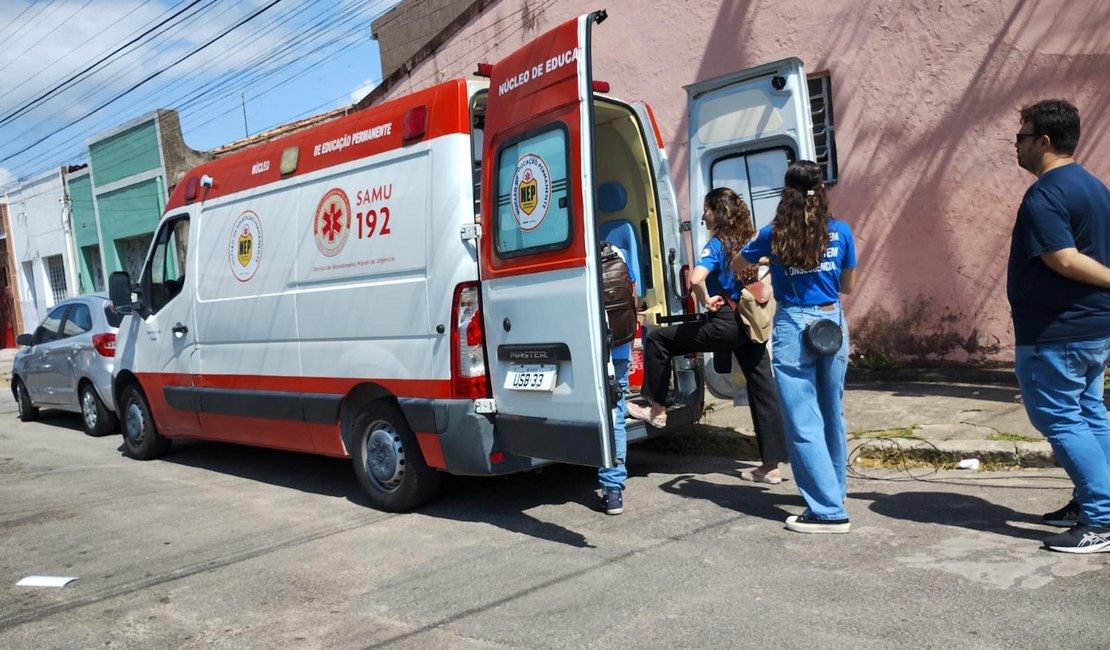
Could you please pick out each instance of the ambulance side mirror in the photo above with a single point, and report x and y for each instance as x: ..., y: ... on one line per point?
x: 119, y: 292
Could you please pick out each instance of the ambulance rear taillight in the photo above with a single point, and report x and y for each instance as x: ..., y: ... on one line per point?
x: 469, y: 379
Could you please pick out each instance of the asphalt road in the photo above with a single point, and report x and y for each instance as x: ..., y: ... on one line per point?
x: 218, y: 546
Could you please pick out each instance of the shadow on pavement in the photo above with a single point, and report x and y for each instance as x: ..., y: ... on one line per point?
x: 503, y: 501
x: 332, y: 477
x: 1003, y: 394
x: 61, y: 419
x: 499, y: 501
x: 957, y: 510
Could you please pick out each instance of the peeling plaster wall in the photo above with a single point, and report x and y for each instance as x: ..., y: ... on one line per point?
x: 926, y: 98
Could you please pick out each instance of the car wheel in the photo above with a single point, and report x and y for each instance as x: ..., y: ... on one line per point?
x: 96, y: 418
x: 27, y: 411
x: 388, y: 462
x: 141, y: 439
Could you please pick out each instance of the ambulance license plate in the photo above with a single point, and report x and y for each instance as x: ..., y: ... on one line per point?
x: 531, y: 376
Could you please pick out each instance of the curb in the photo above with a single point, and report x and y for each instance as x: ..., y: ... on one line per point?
x: 951, y: 452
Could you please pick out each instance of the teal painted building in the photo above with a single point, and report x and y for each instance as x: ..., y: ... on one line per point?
x: 117, y: 201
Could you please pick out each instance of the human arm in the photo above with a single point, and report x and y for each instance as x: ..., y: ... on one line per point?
x: 847, y: 280
x: 697, y: 278
x: 1073, y: 265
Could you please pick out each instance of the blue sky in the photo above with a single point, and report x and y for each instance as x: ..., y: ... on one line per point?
x: 294, y: 59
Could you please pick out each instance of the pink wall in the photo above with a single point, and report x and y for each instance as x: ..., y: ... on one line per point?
x: 926, y: 104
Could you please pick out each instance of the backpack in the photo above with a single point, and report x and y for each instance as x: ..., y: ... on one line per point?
x: 620, y: 300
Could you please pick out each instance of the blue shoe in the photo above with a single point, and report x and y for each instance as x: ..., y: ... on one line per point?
x: 612, y: 502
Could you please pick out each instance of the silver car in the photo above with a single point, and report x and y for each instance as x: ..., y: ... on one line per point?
x: 67, y: 363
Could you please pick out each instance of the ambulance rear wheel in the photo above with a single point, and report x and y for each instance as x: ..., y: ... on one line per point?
x: 388, y: 462
x: 141, y: 439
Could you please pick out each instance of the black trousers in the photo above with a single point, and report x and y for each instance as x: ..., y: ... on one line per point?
x: 721, y: 333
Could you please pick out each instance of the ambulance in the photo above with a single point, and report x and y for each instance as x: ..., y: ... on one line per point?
x: 415, y: 286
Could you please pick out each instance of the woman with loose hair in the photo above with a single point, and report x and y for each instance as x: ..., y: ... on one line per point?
x: 813, y: 259
x: 714, y: 284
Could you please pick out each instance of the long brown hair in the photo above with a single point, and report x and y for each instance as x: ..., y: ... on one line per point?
x: 800, y: 233
x: 733, y: 225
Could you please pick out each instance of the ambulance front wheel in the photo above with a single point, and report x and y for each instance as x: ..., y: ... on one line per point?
x: 141, y: 439
x: 388, y: 462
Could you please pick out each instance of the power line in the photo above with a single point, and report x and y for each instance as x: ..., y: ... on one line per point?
x: 150, y: 77
x: 45, y: 95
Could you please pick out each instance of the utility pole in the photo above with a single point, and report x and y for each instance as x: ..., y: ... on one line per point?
x: 243, y: 100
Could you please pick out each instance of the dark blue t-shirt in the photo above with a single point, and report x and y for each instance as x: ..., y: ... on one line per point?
x: 819, y: 286
x: 1066, y: 208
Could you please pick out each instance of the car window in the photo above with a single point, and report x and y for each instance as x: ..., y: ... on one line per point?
x: 48, y: 330
x: 78, y: 321
x: 167, y: 265
x: 115, y: 319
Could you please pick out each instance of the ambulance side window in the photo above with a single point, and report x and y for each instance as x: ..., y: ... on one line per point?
x: 167, y: 264
x: 531, y: 193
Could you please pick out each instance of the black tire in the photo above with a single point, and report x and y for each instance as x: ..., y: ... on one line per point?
x: 27, y: 411
x: 96, y: 419
x: 388, y: 462
x: 141, y: 439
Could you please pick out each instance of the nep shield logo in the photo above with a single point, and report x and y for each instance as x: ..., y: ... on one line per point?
x: 332, y: 225
x: 531, y: 195
x: 244, y: 251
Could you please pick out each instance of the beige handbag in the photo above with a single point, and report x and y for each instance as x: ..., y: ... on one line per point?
x: 756, y: 311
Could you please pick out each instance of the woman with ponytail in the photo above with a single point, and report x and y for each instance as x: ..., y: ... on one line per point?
x: 813, y: 259
x: 716, y: 287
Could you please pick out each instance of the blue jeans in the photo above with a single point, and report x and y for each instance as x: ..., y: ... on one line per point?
x: 811, y: 389
x: 612, y: 478
x: 1061, y: 385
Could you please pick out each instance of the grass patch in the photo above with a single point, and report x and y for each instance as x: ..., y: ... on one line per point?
x: 903, y: 432
x: 1013, y: 437
x: 705, y: 440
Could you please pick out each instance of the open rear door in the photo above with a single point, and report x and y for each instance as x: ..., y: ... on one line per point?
x: 541, y: 288
x: 745, y: 129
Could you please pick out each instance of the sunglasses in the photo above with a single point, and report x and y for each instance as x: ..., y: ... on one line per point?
x: 1019, y: 136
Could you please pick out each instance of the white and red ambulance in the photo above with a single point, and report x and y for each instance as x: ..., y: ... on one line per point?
x: 415, y: 285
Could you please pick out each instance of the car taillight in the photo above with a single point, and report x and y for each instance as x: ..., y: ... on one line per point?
x: 469, y: 379
x: 105, y: 344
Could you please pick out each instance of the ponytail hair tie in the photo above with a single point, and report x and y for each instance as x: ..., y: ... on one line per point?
x: 810, y: 192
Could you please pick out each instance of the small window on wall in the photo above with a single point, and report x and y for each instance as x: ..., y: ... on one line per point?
x: 533, y: 204
x: 824, y: 130
x: 56, y: 275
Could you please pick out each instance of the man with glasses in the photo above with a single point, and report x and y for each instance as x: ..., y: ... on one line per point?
x: 1058, y: 283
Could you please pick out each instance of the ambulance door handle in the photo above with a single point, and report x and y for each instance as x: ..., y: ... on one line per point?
x: 180, y: 329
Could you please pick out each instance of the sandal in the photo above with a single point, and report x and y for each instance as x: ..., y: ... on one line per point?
x: 643, y: 413
x: 756, y: 475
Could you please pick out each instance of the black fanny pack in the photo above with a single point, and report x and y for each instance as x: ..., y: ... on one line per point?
x: 823, y: 337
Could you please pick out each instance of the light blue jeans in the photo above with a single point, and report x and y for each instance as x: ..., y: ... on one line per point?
x: 612, y: 478
x: 1061, y: 385
x: 811, y: 389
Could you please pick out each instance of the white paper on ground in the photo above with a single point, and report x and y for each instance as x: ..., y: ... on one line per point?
x: 45, y: 581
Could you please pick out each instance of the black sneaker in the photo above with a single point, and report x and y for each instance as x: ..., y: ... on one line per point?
x: 1081, y: 538
x: 1065, y: 517
x: 612, y: 502
x: 805, y: 524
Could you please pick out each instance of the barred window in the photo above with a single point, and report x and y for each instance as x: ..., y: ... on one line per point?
x: 824, y: 130
x: 56, y: 275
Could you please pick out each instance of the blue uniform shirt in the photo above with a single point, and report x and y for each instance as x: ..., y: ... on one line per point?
x: 721, y: 281
x: 806, y: 287
x: 1066, y: 208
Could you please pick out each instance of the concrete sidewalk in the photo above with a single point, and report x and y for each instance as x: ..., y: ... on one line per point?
x: 934, y: 416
